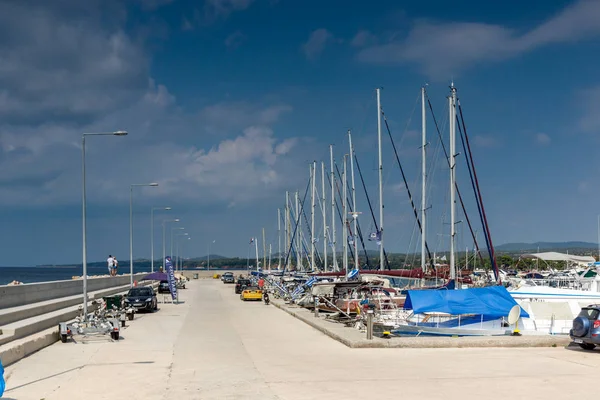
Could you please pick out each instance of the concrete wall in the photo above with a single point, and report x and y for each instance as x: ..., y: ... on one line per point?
x: 18, y: 295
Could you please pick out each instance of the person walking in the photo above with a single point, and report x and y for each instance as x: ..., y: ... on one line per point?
x: 115, y: 266
x: 111, y: 263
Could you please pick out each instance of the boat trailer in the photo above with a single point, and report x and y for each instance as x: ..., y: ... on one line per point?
x: 100, y: 322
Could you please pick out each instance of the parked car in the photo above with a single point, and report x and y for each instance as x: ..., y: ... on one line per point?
x: 241, y: 284
x: 141, y: 298
x: 229, y: 279
x: 251, y: 293
x: 586, y: 328
x: 163, y: 287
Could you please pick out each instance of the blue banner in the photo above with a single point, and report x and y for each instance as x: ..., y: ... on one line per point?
x: 171, y: 278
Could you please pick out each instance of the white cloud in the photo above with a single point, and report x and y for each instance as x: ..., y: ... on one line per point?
x: 223, y: 117
x: 542, y: 139
x: 64, y: 74
x: 235, y: 39
x: 444, y: 49
x: 486, y: 141
x: 317, y: 41
x: 226, y: 7
x: 363, y: 38
x: 590, y: 103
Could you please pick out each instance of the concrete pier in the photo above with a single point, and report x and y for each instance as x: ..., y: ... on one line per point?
x: 214, y: 346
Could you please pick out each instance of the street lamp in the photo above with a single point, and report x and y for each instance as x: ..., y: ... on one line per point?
x: 83, y: 211
x: 152, y: 233
x: 173, y: 229
x: 164, y: 256
x: 177, y: 247
x: 208, y: 262
x: 131, y: 226
x: 181, y: 261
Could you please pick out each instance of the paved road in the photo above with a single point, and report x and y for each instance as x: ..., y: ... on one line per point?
x: 217, y: 347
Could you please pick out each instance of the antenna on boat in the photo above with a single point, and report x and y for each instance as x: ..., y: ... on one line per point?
x: 513, y: 318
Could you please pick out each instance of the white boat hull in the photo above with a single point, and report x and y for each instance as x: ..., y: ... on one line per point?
x: 545, y: 293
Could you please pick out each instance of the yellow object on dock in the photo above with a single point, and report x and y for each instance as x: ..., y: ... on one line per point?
x: 216, y: 276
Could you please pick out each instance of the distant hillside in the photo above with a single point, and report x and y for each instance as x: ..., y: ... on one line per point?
x: 545, y: 246
x: 212, y: 257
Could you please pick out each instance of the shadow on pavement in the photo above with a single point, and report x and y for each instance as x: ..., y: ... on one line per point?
x: 70, y: 370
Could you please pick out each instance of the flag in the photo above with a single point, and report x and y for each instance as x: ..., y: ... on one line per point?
x: 376, y: 236
x: 171, y: 277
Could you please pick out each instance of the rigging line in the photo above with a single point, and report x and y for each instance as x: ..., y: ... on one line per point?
x: 486, y: 226
x: 403, y: 136
x: 344, y: 221
x: 337, y: 205
x: 462, y: 203
x: 370, y: 205
x: 432, y: 264
x: 358, y: 229
x: 479, y: 210
x: 295, y: 230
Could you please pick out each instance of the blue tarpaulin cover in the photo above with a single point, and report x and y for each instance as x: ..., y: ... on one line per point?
x: 2, y: 382
x: 493, y: 301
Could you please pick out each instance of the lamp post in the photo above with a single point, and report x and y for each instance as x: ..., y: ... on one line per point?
x: 154, y: 184
x: 164, y: 256
x: 177, y: 248
x: 208, y: 262
x: 152, y: 233
x: 83, y: 211
x: 181, y: 262
x: 173, y: 229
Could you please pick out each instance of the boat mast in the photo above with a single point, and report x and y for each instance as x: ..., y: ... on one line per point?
x: 324, y: 216
x: 380, y: 233
x: 452, y: 122
x: 269, y: 257
x: 279, y: 238
x: 256, y: 247
x: 298, y: 242
x: 334, y: 262
x: 423, y: 181
x: 344, y: 218
x: 287, y: 228
x: 312, y: 216
x: 354, y: 213
x: 264, y: 250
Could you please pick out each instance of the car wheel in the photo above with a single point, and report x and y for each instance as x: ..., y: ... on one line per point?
x: 587, y: 346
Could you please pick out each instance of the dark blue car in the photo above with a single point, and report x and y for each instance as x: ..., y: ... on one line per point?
x: 586, y: 328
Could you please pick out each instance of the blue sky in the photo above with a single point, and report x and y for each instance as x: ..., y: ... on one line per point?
x: 228, y: 101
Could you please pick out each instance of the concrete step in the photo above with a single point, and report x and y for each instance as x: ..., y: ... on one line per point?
x: 40, y: 321
x: 13, y: 314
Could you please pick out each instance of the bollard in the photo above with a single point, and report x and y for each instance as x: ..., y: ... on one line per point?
x: 369, y: 324
x: 316, y: 307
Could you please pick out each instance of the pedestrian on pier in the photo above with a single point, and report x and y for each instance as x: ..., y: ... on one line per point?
x: 111, y: 263
x: 115, y: 265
